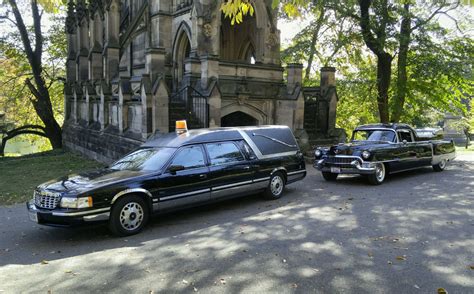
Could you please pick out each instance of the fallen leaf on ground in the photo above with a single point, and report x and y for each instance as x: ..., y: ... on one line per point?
x: 222, y: 281
x: 416, y: 286
x: 401, y: 257
x: 185, y: 282
x: 44, y: 261
x: 294, y: 285
x: 68, y: 272
x: 471, y: 267
x: 442, y: 291
x: 195, y: 289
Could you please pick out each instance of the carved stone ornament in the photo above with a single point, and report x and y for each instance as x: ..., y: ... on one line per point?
x: 272, y: 40
x: 242, y: 99
x: 207, y: 30
x: 71, y: 18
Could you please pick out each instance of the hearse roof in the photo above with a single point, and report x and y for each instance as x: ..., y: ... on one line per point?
x: 196, y: 136
x: 393, y: 126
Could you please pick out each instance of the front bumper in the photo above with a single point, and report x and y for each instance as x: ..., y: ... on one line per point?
x: 64, y: 217
x: 355, y: 167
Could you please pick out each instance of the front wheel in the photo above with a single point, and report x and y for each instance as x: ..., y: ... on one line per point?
x: 440, y: 166
x: 128, y: 216
x: 379, y: 176
x: 275, y: 187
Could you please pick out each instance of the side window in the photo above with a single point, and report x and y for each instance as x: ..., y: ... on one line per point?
x: 405, y: 135
x: 222, y: 153
x: 190, y: 157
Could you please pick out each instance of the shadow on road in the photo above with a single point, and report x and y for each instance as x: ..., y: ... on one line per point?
x: 412, y: 231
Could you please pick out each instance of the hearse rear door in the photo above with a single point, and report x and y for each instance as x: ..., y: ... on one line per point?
x: 185, y: 180
x: 231, y: 172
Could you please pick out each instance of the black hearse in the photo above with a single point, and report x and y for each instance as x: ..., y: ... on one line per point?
x: 173, y: 171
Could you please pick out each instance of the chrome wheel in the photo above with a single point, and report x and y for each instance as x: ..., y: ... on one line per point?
x: 442, y: 164
x: 380, y: 172
x: 276, y: 185
x: 131, y: 216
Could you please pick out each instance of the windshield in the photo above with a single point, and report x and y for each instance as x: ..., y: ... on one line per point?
x: 374, y: 135
x: 145, y: 159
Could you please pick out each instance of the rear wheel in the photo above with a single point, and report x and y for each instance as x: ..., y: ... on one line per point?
x: 128, y: 216
x: 275, y: 187
x: 440, y: 166
x: 328, y: 176
x: 379, y: 176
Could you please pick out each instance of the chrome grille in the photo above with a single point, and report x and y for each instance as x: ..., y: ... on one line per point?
x: 341, y: 161
x: 47, y: 200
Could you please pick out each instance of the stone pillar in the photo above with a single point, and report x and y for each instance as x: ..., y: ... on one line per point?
x: 71, y: 30
x: 96, y: 40
x: 160, y: 111
x: 328, y: 91
x: 294, y: 75
x: 77, y: 94
x: 125, y: 93
x: 155, y: 62
x: 90, y: 95
x: 147, y: 107
x: 105, y: 94
x: 82, y: 41
x: 111, y: 58
x: 209, y: 69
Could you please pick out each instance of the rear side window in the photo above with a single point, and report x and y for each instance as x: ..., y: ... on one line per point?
x: 223, y: 153
x: 405, y: 135
x: 190, y: 157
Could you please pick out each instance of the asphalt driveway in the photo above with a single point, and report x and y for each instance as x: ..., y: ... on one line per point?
x: 413, y: 234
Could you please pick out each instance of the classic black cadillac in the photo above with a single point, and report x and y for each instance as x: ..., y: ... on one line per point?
x: 378, y: 149
x: 173, y: 171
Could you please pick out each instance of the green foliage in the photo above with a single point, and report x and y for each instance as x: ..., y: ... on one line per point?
x: 235, y: 10
x: 18, y: 182
x: 439, y: 63
x: 15, y: 98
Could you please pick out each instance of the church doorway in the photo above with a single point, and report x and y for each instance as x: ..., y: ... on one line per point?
x: 238, y: 119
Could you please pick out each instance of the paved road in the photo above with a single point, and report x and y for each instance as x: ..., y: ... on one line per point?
x: 414, y: 234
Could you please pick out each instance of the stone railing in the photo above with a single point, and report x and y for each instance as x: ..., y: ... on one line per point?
x: 257, y: 71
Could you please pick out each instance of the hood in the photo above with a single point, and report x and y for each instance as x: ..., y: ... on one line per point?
x: 78, y: 183
x: 354, y: 147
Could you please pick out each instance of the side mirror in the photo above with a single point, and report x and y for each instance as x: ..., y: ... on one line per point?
x: 175, y: 168
x: 404, y: 141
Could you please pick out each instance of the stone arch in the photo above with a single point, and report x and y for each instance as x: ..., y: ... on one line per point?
x: 247, y: 50
x: 181, y: 50
x: 256, y: 113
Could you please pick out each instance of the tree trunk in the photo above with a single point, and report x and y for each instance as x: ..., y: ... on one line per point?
x: 42, y: 100
x: 384, y: 73
x: 376, y: 44
x: 312, y: 49
x: 404, y: 41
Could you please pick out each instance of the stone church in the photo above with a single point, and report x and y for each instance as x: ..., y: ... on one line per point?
x: 134, y: 67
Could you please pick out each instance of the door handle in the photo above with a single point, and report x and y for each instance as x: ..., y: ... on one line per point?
x: 203, y: 176
x: 247, y: 167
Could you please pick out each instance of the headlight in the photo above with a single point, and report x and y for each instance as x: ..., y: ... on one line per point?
x: 82, y: 202
x: 318, y: 153
x: 365, y: 154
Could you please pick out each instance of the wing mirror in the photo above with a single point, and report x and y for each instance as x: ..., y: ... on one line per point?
x: 175, y: 168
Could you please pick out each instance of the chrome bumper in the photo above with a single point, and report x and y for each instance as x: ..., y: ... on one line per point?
x: 357, y: 166
x: 64, y: 217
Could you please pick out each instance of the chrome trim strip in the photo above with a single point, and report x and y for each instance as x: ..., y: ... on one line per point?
x: 261, y: 179
x: 185, y: 194
x: 231, y: 185
x: 97, y: 217
x: 128, y: 191
x: 81, y: 212
x: 296, y: 172
x: 251, y: 144
x: 275, y: 140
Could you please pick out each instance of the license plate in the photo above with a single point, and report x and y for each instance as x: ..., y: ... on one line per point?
x: 335, y: 170
x: 33, y: 216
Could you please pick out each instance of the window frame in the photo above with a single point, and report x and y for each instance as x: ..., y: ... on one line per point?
x: 245, y: 158
x: 400, y: 131
x: 204, y: 153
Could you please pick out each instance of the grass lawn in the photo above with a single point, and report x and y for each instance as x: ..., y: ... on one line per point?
x: 20, y: 175
x: 464, y: 150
